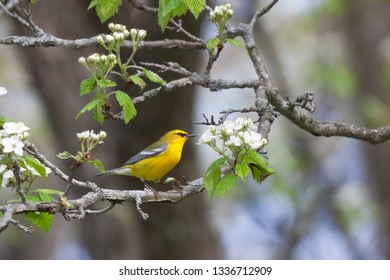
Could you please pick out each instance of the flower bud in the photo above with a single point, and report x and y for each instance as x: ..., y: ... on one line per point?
x: 111, y: 57
x: 99, y: 39
x: 142, y: 34
x: 109, y: 38
x: 82, y: 61
x: 111, y: 26
x: 213, y: 129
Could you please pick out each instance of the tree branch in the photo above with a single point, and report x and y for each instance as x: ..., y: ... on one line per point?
x: 78, y: 208
x: 265, y: 10
x: 328, y: 129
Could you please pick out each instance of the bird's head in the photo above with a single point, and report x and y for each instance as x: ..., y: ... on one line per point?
x: 177, y: 136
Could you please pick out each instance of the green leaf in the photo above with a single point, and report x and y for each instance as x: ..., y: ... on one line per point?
x: 2, y: 121
x: 235, y: 43
x: 39, y: 197
x: 90, y: 106
x: 195, y: 6
x: 47, y: 192
x: 65, y: 155
x: 97, y: 164
x: 258, y: 165
x: 213, y: 176
x: 168, y: 9
x: 87, y: 85
x: 106, y: 83
x: 34, y: 164
x: 93, y: 4
x: 155, y: 78
x: 41, y: 220
x: 105, y: 9
x: 225, y: 184
x: 258, y: 160
x: 257, y: 174
x: 128, y: 109
x: 242, y: 170
x: 138, y: 81
x: 98, y: 114
x: 212, y: 44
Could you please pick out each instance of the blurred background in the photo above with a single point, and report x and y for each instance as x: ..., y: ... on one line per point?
x: 330, y: 197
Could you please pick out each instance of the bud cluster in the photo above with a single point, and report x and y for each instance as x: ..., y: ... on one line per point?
x: 221, y: 14
x: 97, y: 62
x: 88, y: 141
x: 137, y: 35
x: 116, y: 38
x: 100, y: 64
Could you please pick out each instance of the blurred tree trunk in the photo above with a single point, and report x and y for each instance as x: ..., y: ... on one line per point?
x: 366, y: 27
x: 172, y: 231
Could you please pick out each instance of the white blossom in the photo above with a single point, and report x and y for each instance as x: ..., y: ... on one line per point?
x: 253, y: 139
x: 12, y: 145
x: 228, y: 124
x: 83, y: 135
x: 2, y: 134
x: 234, y: 140
x: 207, y: 137
x: 3, y: 91
x: 2, y: 168
x: 14, y: 128
x: 91, y: 135
x: 7, y: 177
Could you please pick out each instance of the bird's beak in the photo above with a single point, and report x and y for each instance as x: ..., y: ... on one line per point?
x: 190, y: 135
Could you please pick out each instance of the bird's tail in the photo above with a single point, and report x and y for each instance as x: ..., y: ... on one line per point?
x: 117, y: 171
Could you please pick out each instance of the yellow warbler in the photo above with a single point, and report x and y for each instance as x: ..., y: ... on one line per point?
x: 156, y: 160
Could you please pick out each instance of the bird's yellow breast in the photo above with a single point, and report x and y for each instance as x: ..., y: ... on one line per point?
x: 154, y: 168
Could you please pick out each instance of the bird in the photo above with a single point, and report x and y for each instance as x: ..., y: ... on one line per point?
x: 156, y: 160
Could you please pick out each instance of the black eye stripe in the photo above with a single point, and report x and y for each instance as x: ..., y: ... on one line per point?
x: 181, y: 134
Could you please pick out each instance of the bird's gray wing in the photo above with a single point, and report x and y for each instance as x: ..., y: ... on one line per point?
x: 151, y: 151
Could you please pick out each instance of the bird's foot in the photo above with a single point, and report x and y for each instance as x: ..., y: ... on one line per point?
x: 149, y: 187
x: 175, y: 183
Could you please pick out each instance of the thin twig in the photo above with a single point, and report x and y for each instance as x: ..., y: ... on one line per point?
x: 143, y: 7
x: 19, y: 181
x: 28, y: 230
x: 15, y: 16
x: 178, y: 25
x: 169, y: 67
x: 32, y: 150
x: 265, y: 10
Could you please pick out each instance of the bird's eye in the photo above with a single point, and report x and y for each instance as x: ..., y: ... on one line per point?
x: 182, y: 134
